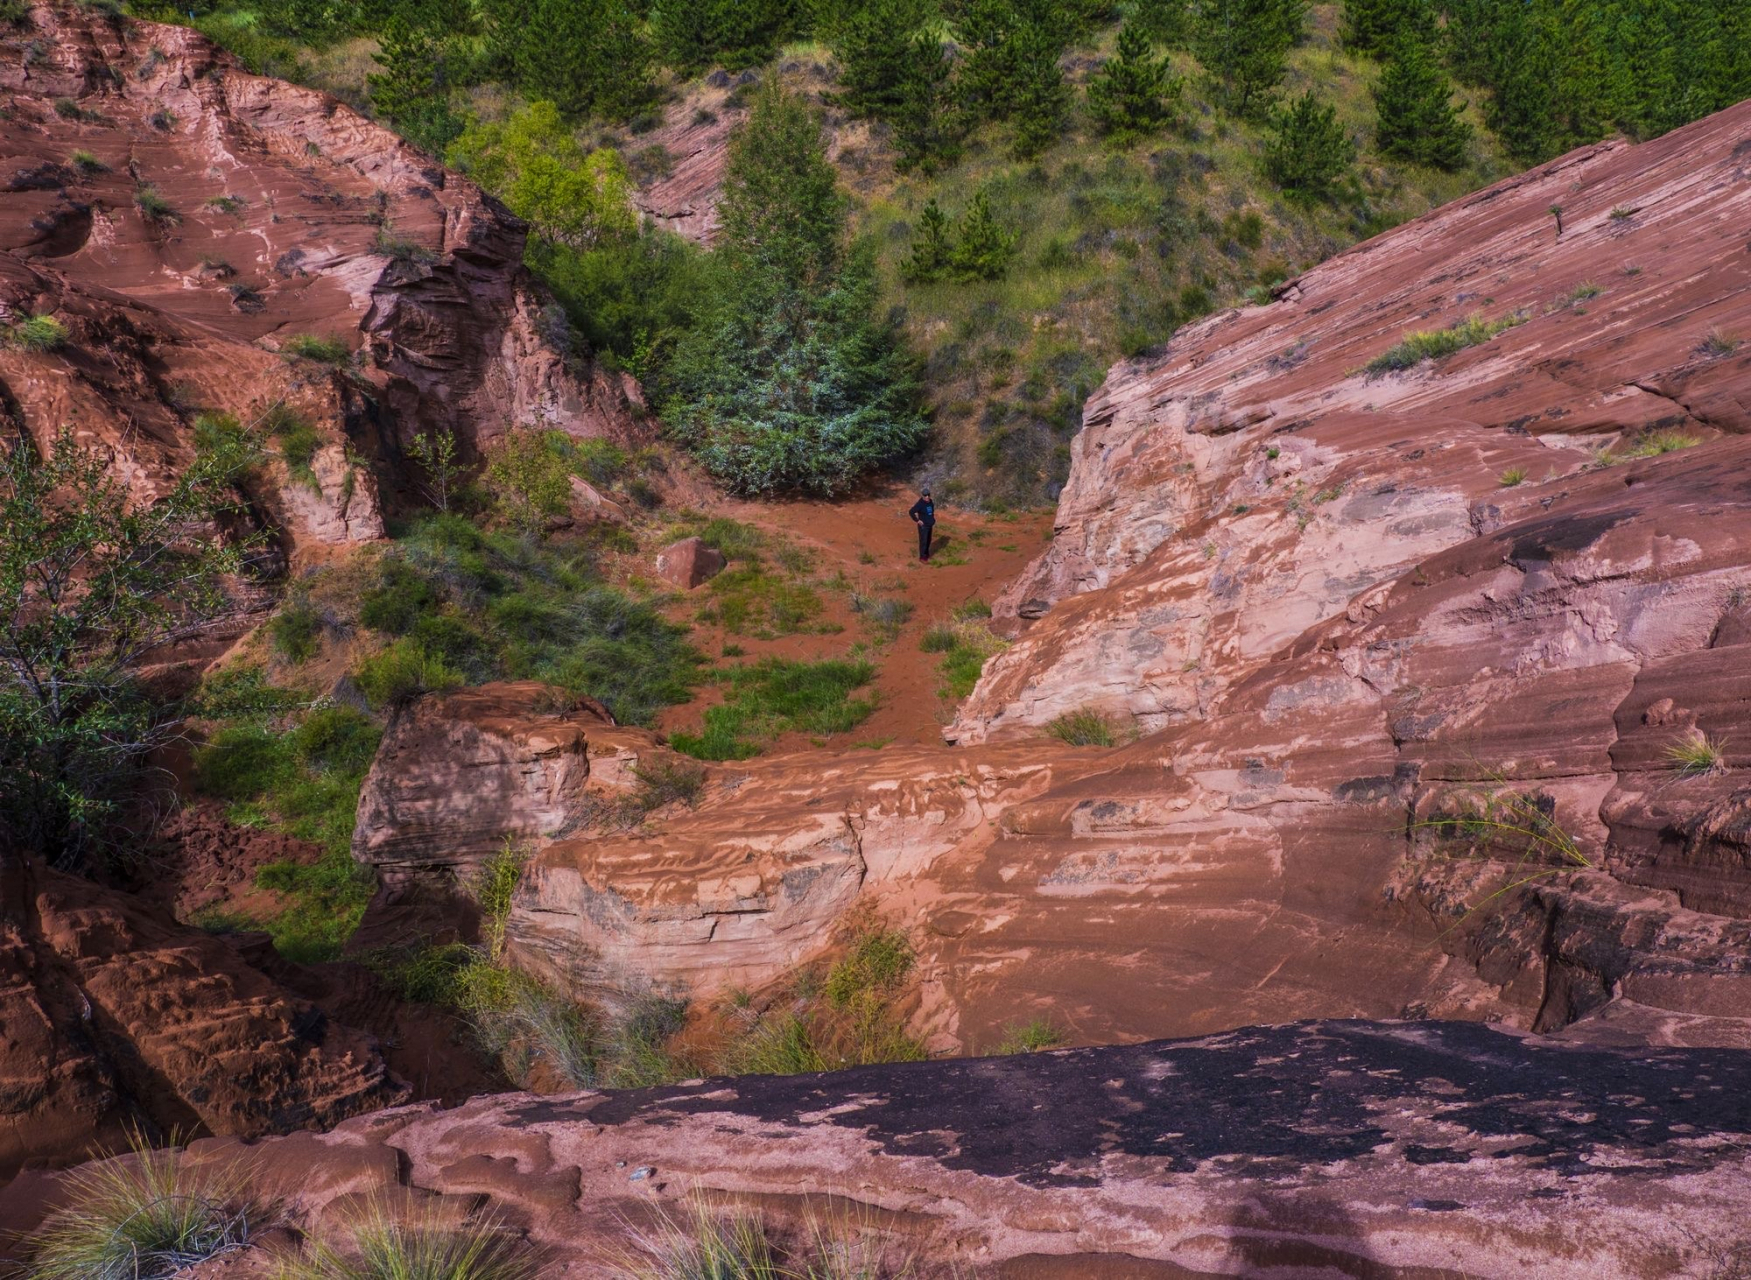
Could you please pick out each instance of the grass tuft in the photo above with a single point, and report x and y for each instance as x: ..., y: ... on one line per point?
x: 326, y: 350
x: 1433, y: 344
x: 1717, y: 342
x: 421, y: 1244
x: 39, y: 333
x: 1697, y: 755
x: 154, y: 207
x: 1033, y: 1036
x: 145, y: 1216
x: 1084, y: 728
x: 1512, y: 477
x: 87, y: 163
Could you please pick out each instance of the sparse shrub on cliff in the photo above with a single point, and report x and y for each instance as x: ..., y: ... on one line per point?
x: 39, y: 333
x: 1513, y: 477
x: 384, y: 1242
x: 1084, y: 728
x: 143, y: 1216
x: 775, y: 696
x: 298, y: 440
x: 87, y: 163
x: 92, y: 580
x: 664, y: 782
x: 1432, y: 344
x: 154, y: 208
x: 1650, y: 445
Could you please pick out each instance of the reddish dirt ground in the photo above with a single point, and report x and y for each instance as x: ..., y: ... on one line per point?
x: 871, y: 541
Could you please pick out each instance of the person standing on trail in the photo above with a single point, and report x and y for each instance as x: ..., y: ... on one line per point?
x: 923, y: 515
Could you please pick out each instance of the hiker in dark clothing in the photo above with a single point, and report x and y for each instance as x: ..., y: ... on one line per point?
x: 923, y: 515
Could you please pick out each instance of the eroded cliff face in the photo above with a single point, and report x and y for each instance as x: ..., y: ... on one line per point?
x: 284, y: 213
x: 1338, y: 610
x: 113, y: 1019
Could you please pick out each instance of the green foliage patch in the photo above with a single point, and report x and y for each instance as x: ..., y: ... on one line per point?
x: 774, y: 696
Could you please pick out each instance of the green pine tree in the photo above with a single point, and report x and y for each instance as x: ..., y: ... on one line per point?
x: 582, y: 55
x: 927, y: 124
x: 691, y: 34
x: 982, y: 249
x: 788, y: 381
x: 1308, y: 152
x: 1413, y: 101
x: 1371, y: 26
x: 932, y: 247
x: 986, y: 32
x: 410, y: 90
x: 1041, y: 99
x: 873, y: 42
x: 1522, y: 111
x: 1167, y: 22
x: 1130, y: 94
x: 1244, y: 47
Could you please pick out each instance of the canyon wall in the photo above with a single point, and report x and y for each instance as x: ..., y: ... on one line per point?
x: 187, y: 221
x: 1403, y: 654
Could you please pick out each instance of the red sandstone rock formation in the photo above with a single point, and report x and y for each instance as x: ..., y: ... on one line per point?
x: 1346, y: 1149
x: 1334, y: 622
x: 111, y: 1019
x: 289, y: 214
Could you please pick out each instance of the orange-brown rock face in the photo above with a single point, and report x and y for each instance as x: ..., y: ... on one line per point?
x: 287, y: 214
x: 1336, y: 608
x: 111, y: 1019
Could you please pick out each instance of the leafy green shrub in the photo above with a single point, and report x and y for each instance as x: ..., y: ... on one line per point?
x: 142, y: 1217
x: 1084, y: 728
x: 241, y: 762
x: 418, y: 1244
x: 296, y: 630
x: 403, y: 671
x: 336, y: 737
x: 776, y: 696
x: 528, y: 475
x: 401, y: 597
x: 1432, y: 344
x: 309, y: 346
x: 39, y: 333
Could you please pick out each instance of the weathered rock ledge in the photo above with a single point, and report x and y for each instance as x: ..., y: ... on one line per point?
x: 1331, y: 1148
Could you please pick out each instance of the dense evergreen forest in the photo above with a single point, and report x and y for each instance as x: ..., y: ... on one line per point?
x: 1115, y: 169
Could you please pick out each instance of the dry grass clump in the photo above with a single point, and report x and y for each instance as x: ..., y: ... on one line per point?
x: 1086, y: 727
x: 144, y: 1216
x: 381, y: 1244
x: 1432, y: 344
x: 1697, y: 755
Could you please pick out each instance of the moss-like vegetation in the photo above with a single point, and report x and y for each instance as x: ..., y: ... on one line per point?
x: 1432, y: 344
x: 278, y: 765
x: 774, y: 696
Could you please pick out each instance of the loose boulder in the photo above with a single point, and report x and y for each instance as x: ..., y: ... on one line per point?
x: 689, y: 563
